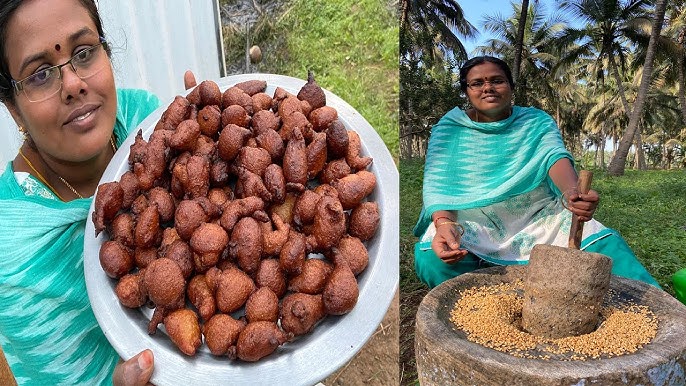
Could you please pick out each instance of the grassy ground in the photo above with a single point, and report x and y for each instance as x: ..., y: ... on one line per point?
x: 351, y: 46
x: 646, y: 207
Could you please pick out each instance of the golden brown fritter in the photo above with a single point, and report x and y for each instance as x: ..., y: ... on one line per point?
x: 108, y: 201
x: 329, y: 222
x: 121, y: 229
x: 275, y: 182
x: 221, y: 334
x: 270, y: 275
x: 353, y: 188
x: 236, y: 115
x: 246, y: 244
x: 316, y: 155
x: 334, y: 170
x: 210, y: 120
x: 322, y: 117
x: 312, y: 278
x: 341, y: 291
x: 233, y: 290
x: 164, y: 281
x: 183, y: 329
x: 300, y: 312
x: 351, y: 252
x: 252, y: 87
x: 312, y: 93
x: 364, y: 220
x: 263, y: 304
x: 293, y: 253
x: 115, y: 259
x: 209, y: 93
x: 337, y: 139
x: 274, y: 239
x: 147, y: 232
x: 131, y: 291
x: 202, y: 298
x: 259, y: 339
x: 235, y: 96
x: 231, y: 140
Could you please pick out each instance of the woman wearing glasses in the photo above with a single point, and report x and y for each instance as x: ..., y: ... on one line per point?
x: 57, y: 82
x: 497, y: 181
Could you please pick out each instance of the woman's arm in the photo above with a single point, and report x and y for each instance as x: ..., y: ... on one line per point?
x: 564, y: 177
x: 446, y: 242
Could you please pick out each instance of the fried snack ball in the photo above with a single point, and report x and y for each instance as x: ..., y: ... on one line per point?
x: 353, y: 157
x: 180, y: 252
x: 115, y: 259
x: 164, y: 202
x: 202, y: 298
x: 312, y: 93
x: 129, y: 184
x: 305, y: 207
x: 209, y: 93
x: 265, y: 120
x: 295, y: 120
x: 198, y: 182
x: 353, y: 188
x: 364, y: 220
x: 285, y: 209
x: 139, y: 204
x: 341, y: 291
x: 235, y: 115
x: 183, y: 329
x: 312, y: 278
x: 322, y: 117
x: 220, y: 196
x: 271, y: 141
x: 337, y: 139
x: 293, y: 253
x: 273, y: 240
x: 235, y: 96
x: 221, y: 334
x: 147, y: 232
x: 121, y: 229
x: 260, y: 102
x: 188, y: 217
x: 300, y: 312
x: 144, y: 256
x: 250, y: 184
x: 288, y: 105
x: 270, y: 275
x: 263, y: 304
x: 210, y: 120
x: 131, y: 291
x: 295, y: 160
x: 259, y: 339
x: 176, y: 112
x: 275, y: 183
x: 164, y: 281
x: 233, y: 290
x: 231, y: 140
x: 334, y: 170
x: 252, y: 87
x: 351, y: 252
x: 208, y: 242
x: 246, y: 244
x: 205, y: 147
x: 254, y: 159
x: 242, y: 207
x: 329, y: 222
x: 185, y: 135
x: 316, y: 155
x: 108, y: 201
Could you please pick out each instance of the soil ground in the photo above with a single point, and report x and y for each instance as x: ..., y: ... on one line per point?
x: 377, y: 361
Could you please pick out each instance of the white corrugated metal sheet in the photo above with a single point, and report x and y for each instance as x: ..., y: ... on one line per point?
x: 153, y: 43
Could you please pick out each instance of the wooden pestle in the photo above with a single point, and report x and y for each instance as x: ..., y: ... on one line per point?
x: 564, y: 288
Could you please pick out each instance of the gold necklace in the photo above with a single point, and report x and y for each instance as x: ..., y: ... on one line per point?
x: 67, y: 184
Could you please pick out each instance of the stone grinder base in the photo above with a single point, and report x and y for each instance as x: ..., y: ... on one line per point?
x: 445, y: 357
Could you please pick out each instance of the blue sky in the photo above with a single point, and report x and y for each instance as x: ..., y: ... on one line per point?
x: 475, y: 10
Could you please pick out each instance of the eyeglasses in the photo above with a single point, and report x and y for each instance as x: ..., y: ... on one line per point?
x: 479, y: 84
x: 47, y: 82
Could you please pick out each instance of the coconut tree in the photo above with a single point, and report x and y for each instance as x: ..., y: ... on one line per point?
x: 618, y: 162
x: 430, y: 30
x: 538, y: 55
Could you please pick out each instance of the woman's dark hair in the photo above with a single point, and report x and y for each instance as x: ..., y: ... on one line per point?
x: 477, y: 60
x: 7, y: 9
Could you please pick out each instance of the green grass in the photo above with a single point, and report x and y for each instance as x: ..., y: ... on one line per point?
x: 646, y: 207
x: 351, y: 46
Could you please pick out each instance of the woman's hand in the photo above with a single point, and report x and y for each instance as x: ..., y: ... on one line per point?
x: 446, y: 243
x: 582, y: 205
x: 134, y: 372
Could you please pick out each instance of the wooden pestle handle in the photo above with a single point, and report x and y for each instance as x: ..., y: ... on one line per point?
x: 577, y: 228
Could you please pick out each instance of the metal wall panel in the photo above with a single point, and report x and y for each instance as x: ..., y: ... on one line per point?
x: 153, y: 43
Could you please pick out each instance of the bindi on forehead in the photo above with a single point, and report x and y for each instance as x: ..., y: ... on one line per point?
x: 58, y: 47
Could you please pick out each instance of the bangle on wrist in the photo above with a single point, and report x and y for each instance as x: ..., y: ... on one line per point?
x: 445, y: 217
x: 459, y: 226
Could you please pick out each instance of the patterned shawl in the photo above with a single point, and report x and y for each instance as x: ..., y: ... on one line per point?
x: 471, y: 164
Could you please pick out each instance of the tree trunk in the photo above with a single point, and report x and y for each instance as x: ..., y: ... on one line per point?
x: 682, y: 76
x: 516, y: 67
x: 617, y: 164
x: 620, y: 86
